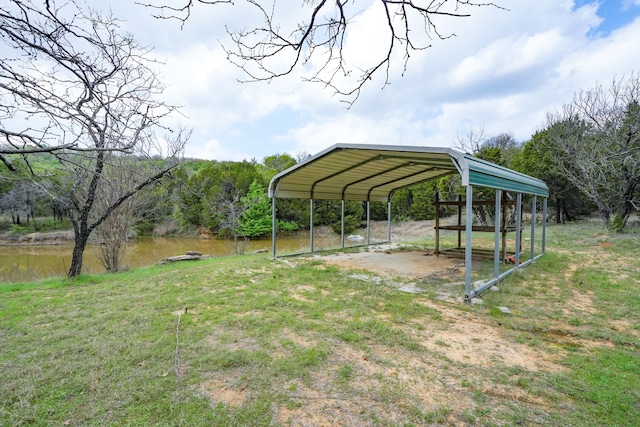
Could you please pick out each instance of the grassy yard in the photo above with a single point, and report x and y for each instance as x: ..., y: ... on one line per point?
x: 249, y: 341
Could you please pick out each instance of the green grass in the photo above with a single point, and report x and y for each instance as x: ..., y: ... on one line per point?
x: 251, y: 341
x: 605, y: 386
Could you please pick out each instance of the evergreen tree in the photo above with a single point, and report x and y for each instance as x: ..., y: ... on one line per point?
x: 256, y: 221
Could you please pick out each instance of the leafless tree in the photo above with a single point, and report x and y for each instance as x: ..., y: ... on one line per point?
x: 471, y: 142
x: 20, y: 201
x: 75, y: 85
x: 231, y: 208
x: 89, y: 176
x: 229, y: 205
x: 499, y: 149
x: 113, y: 234
x: 595, y: 143
x: 301, y: 156
x: 318, y: 39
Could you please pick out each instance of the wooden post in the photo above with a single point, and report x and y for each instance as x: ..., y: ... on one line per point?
x: 520, y: 227
x: 504, y: 226
x: 496, y: 234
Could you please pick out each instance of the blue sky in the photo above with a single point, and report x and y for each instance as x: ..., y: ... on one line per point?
x: 614, y: 14
x: 503, y: 72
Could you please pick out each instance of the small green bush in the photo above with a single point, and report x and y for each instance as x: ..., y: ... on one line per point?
x: 18, y: 229
x: 49, y: 224
x: 351, y: 224
x: 39, y: 225
x: 145, y: 227
x: 617, y: 223
x: 287, y: 227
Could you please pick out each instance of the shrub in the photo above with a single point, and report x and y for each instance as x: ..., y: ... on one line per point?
x: 287, y: 227
x: 617, y: 223
x: 18, y: 229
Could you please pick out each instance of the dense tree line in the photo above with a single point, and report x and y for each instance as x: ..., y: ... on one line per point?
x: 229, y: 199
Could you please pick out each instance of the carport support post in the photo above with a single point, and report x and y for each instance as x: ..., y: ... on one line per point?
x: 518, y: 229
x: 534, y: 213
x: 342, y: 223
x: 368, y: 225
x: 311, y: 224
x: 437, y: 222
x: 496, y: 247
x: 389, y: 221
x: 467, y: 249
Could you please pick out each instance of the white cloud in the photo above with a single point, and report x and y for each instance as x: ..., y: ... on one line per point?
x: 354, y: 129
x: 627, y: 3
x: 213, y: 150
x: 603, y: 59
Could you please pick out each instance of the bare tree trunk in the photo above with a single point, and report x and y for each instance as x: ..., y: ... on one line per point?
x: 80, y: 243
x: 481, y: 214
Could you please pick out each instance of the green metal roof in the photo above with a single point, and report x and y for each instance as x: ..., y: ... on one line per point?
x: 370, y: 172
x: 486, y: 174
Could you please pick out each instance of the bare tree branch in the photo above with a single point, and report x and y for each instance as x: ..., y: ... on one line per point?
x: 58, y: 83
x: 472, y: 141
x: 276, y: 47
x: 181, y: 13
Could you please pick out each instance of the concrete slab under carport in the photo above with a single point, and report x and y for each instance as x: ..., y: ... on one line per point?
x: 394, y: 260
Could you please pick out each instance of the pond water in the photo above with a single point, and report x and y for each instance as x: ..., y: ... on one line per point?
x: 25, y: 263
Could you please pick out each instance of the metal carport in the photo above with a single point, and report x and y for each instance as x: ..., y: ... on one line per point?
x: 366, y: 172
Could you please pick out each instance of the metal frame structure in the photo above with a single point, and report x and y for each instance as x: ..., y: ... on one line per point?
x: 367, y: 172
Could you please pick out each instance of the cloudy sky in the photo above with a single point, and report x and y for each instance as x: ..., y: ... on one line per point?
x: 501, y: 73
